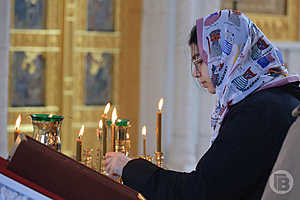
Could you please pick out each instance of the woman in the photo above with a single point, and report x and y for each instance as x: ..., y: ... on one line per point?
x: 234, y: 60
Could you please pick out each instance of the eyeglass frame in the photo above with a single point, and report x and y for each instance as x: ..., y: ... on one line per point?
x: 197, y: 61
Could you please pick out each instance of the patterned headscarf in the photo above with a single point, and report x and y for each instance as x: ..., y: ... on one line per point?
x: 240, y: 60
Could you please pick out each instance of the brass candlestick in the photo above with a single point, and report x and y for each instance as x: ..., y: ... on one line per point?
x: 88, y: 158
x: 101, y: 150
x: 146, y: 157
x: 102, y: 136
x: 104, y: 130
x: 159, y: 159
x: 127, y: 145
x: 120, y: 141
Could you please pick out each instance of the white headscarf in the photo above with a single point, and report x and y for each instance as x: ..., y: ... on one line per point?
x: 240, y: 59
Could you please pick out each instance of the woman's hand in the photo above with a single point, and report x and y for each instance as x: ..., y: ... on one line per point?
x: 114, y: 163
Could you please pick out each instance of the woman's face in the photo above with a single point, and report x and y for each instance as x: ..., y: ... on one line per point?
x: 200, y: 70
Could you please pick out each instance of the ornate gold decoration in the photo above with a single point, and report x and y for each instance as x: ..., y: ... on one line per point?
x: 68, y: 79
x: 64, y: 43
x: 95, y: 40
x: 97, y: 50
x: 274, y: 7
x: 159, y: 159
x: 277, y: 23
x: 33, y: 40
x: 45, y: 42
x: 33, y: 109
x: 36, y: 31
x: 68, y: 92
x: 35, y: 49
x: 115, y: 34
x: 99, y: 109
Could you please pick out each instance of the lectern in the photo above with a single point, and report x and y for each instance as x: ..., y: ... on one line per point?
x: 62, y: 175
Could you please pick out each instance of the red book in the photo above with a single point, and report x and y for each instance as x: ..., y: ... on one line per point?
x: 62, y: 175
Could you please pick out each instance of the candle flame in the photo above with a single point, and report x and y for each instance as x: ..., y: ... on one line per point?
x: 144, y: 130
x: 101, y: 124
x: 51, y: 115
x: 127, y: 136
x: 160, y: 104
x: 81, y: 131
x: 107, y: 107
x: 114, y: 116
x: 18, y: 122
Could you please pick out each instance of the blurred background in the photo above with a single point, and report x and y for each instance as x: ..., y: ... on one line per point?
x: 71, y: 57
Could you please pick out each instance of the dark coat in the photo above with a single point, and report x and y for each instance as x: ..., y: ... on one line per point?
x: 239, y: 162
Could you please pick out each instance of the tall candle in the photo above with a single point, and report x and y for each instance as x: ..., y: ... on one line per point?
x: 106, y: 109
x: 144, y: 139
x: 79, y: 144
x: 17, y: 130
x: 101, y: 131
x: 113, y: 129
x: 158, y: 125
x: 113, y: 141
x: 105, y: 127
x: 105, y: 135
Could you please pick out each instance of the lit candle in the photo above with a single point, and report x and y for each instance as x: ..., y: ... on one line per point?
x: 144, y: 139
x: 100, y: 132
x: 106, y: 109
x: 79, y: 144
x: 113, y: 127
x: 17, y: 130
x: 158, y: 125
x: 105, y: 127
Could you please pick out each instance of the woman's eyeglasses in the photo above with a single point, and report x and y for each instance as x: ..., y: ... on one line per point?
x: 197, y: 61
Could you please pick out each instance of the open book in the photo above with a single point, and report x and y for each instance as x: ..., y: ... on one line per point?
x: 62, y: 175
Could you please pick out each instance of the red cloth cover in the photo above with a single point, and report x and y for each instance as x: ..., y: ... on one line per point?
x: 27, y: 183
x: 64, y: 176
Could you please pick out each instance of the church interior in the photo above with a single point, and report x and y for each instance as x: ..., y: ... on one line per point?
x: 70, y: 59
